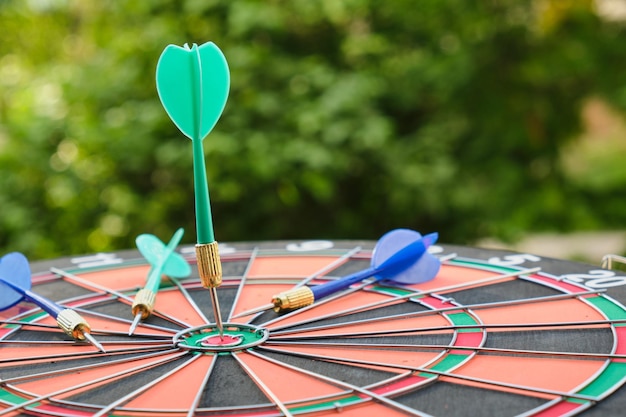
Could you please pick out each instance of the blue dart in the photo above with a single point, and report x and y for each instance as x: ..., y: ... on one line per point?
x: 15, y: 276
x: 163, y: 260
x: 400, y: 256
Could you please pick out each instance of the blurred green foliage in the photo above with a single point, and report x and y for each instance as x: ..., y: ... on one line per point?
x: 346, y: 118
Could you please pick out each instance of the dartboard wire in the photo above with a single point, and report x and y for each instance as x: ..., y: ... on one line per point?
x: 344, y: 385
x: 430, y: 329
x: 78, y: 355
x: 146, y: 344
x: 285, y: 330
x: 437, y: 347
x: 345, y: 257
x: 198, y: 397
x: 266, y: 390
x: 330, y: 267
x: 242, y: 282
x: 421, y: 369
x: 28, y: 324
x: 124, y: 338
x: 117, y: 319
x: 395, y: 299
x: 112, y: 406
x: 87, y: 284
x: 38, y: 342
x: 42, y: 375
x: 189, y: 299
x: 55, y: 328
x: 96, y: 381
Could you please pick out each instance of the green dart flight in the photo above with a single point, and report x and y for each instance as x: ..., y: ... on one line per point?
x: 193, y: 85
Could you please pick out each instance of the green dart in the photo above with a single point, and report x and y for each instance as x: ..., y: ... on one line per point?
x: 163, y: 260
x: 193, y: 85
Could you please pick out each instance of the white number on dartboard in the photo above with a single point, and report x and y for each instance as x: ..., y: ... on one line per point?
x: 224, y: 249
x: 99, y: 259
x: 511, y: 260
x: 596, y: 278
x: 311, y: 245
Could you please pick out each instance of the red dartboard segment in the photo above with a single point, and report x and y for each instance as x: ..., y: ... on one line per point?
x: 561, y: 408
x: 620, y: 349
x: 531, y: 343
x: 173, y: 302
x: 160, y: 396
x: 118, y: 279
x: 278, y: 267
x: 550, y: 312
x: 281, y: 380
x: 542, y: 372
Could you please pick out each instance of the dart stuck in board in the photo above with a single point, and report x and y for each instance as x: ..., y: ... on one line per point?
x: 163, y: 260
x: 193, y: 85
x: 400, y: 256
x: 15, y: 278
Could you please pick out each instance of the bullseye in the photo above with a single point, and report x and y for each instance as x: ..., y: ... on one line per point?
x: 227, y: 340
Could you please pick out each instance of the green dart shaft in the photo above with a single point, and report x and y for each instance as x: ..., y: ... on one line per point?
x: 154, y: 278
x: 204, y: 222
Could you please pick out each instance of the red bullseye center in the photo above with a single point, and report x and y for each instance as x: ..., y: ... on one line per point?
x: 226, y: 340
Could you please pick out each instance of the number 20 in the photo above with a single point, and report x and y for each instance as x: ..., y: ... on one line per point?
x: 597, y: 278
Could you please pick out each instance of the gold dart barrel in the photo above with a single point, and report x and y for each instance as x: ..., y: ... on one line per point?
x: 210, y: 271
x: 292, y: 299
x: 73, y: 324
x: 209, y: 264
x: 144, y: 303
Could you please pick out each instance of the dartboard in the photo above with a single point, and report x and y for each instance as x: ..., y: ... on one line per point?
x: 495, y: 333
